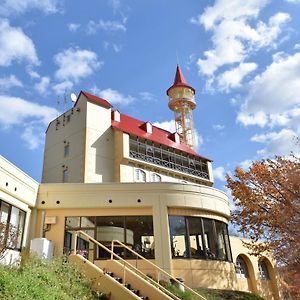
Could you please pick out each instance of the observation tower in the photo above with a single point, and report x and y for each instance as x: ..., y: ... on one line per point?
x: 182, y: 103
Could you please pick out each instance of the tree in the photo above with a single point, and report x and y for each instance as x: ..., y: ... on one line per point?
x: 267, y: 199
x: 8, y: 238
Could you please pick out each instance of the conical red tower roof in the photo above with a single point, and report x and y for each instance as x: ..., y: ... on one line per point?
x: 179, y: 81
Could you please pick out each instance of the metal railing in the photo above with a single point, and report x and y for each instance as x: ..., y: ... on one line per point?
x: 128, y: 265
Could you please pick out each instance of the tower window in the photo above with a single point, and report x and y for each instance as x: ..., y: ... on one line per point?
x: 66, y: 150
x: 155, y: 177
x: 65, y: 175
x: 140, y: 175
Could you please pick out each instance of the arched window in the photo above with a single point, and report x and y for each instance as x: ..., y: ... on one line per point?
x: 140, y: 175
x: 155, y: 177
x: 241, y: 269
x: 263, y: 270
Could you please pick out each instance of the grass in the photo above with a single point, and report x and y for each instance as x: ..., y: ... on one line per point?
x: 43, y: 280
x: 212, y: 294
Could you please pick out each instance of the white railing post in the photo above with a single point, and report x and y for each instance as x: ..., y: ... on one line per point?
x: 75, y: 242
x: 112, y: 249
x: 124, y: 273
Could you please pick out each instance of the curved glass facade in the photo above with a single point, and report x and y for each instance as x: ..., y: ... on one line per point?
x: 199, y: 238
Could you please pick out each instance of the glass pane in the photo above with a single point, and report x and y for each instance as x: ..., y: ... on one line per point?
x: 178, y: 236
x: 221, y: 250
x: 22, y: 216
x: 241, y: 268
x: 108, y: 229
x: 139, y: 235
x: 72, y: 222
x: 4, y: 211
x: 85, y: 247
x: 209, y: 238
x: 196, y: 246
x: 88, y: 222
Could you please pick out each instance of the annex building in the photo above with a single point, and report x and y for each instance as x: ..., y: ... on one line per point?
x: 116, y: 177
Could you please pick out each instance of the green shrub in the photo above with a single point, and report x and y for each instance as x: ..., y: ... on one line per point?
x: 43, y: 280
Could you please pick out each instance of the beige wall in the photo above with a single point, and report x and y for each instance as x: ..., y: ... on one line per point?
x: 20, y: 190
x: 99, y: 157
x: 59, y: 133
x: 267, y: 288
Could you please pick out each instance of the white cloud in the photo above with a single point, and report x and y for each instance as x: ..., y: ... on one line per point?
x: 293, y: 1
x: 93, y: 27
x: 147, y: 96
x: 62, y: 87
x: 245, y: 164
x: 13, y: 7
x: 273, y: 93
x: 235, y: 35
x: 113, y: 96
x: 116, y: 4
x: 219, y: 173
x: 277, y: 143
x: 171, y: 127
x: 31, y: 117
x: 73, y: 27
x: 15, y: 45
x: 258, y: 118
x: 297, y: 46
x: 75, y: 63
x: 16, y: 111
x: 166, y: 125
x: 232, y: 78
x: 218, y: 127
x: 33, y: 136
x: 43, y: 85
x: 8, y: 82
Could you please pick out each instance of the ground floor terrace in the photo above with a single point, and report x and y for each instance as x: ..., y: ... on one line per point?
x: 182, y: 228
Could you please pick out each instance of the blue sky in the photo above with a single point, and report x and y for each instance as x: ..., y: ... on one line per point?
x: 242, y: 57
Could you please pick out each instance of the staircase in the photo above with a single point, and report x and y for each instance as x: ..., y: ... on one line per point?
x: 121, y: 280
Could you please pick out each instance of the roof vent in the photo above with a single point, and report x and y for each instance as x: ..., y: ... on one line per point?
x: 174, y: 137
x: 116, y: 116
x: 147, y: 126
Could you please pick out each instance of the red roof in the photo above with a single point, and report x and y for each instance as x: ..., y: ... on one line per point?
x: 179, y: 80
x: 158, y: 135
x: 95, y: 99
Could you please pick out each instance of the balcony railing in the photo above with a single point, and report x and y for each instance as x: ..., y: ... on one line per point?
x: 168, y: 164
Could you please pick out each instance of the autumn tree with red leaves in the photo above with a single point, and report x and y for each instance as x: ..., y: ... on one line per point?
x: 267, y: 200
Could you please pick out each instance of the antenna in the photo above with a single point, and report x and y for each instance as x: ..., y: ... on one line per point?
x: 73, y: 97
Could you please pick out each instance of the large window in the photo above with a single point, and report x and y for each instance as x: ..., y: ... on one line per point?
x: 134, y: 231
x: 241, y: 268
x: 12, y: 222
x: 167, y: 157
x: 200, y: 238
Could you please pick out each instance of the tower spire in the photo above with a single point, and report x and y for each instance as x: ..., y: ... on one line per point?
x: 182, y: 103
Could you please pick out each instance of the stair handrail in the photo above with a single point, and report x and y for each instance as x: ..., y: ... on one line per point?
x: 158, y: 268
x: 143, y: 275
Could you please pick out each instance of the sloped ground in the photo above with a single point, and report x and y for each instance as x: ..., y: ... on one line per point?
x: 43, y: 280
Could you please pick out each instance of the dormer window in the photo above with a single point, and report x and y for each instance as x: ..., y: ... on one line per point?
x: 116, y: 116
x: 147, y: 126
x: 175, y: 137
